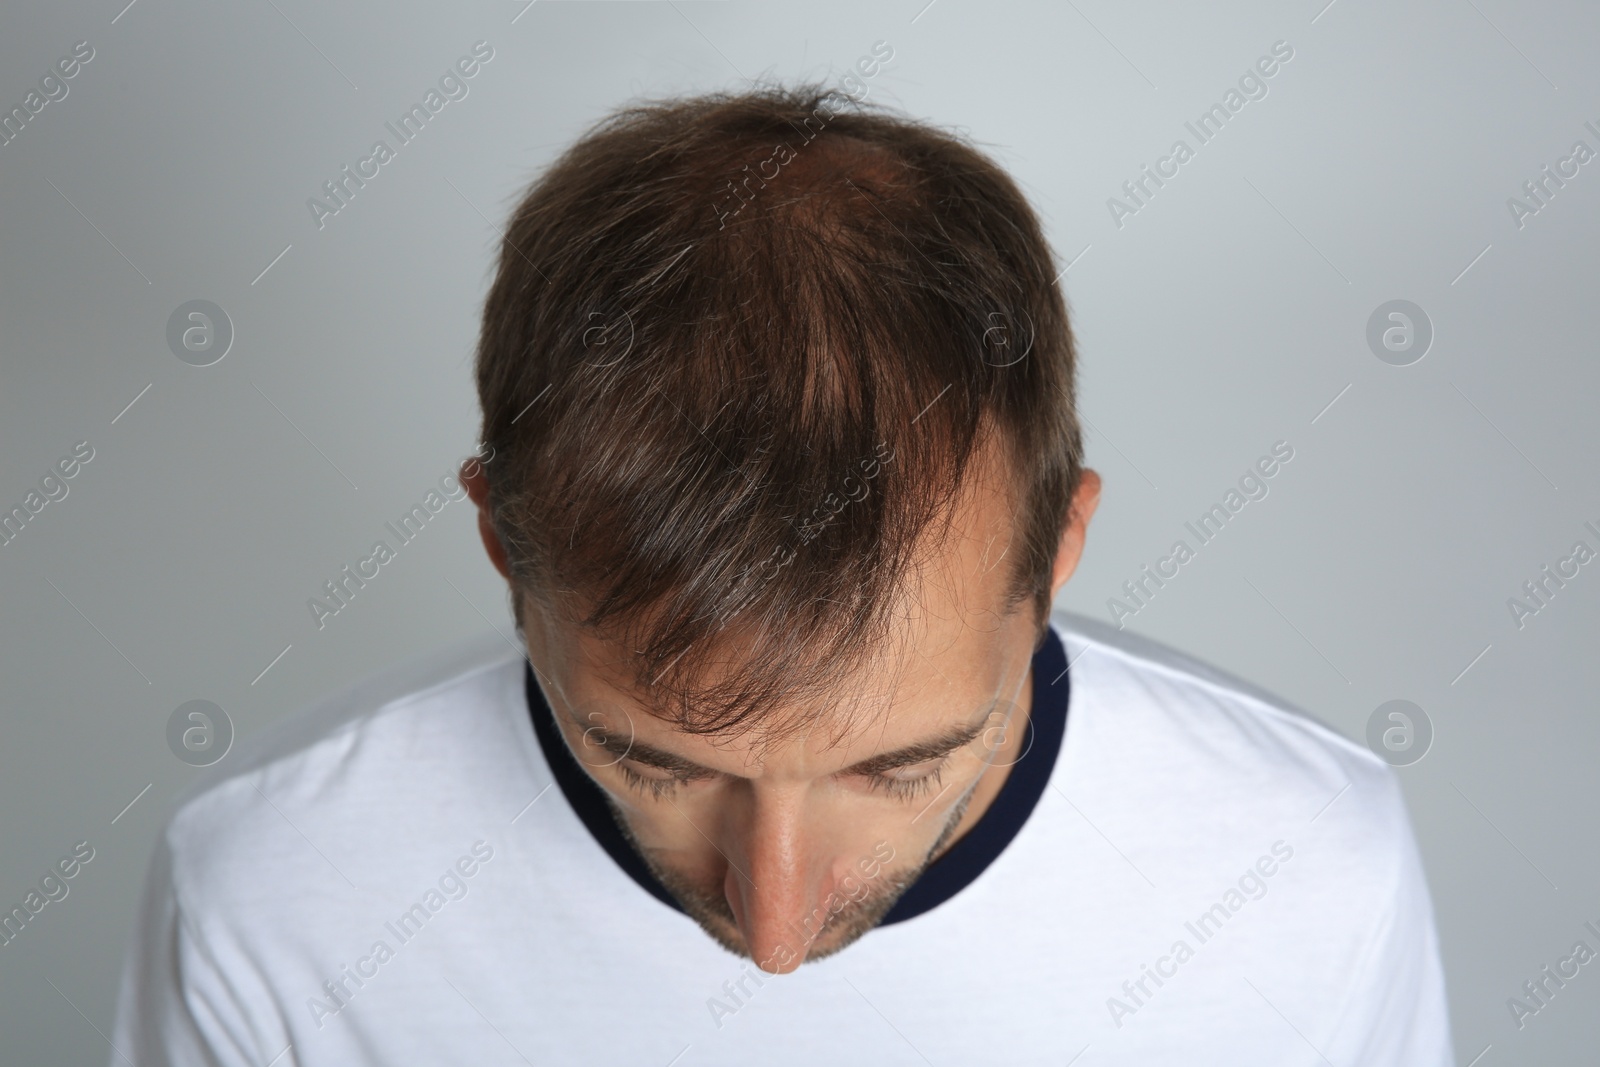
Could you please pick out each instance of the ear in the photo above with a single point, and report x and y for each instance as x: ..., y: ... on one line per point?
x: 1084, y: 500
x: 477, y: 484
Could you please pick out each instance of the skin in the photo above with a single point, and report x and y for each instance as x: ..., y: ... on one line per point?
x: 789, y: 848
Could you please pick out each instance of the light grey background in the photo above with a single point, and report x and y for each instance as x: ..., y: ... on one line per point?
x: 1227, y: 314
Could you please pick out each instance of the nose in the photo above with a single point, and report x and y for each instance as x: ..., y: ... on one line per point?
x: 774, y: 884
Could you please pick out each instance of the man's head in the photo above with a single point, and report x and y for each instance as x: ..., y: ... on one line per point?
x: 780, y: 391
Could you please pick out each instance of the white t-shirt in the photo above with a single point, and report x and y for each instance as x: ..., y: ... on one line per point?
x: 397, y: 877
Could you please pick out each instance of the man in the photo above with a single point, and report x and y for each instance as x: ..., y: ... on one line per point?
x: 789, y: 762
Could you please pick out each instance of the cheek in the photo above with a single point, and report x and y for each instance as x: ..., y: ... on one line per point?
x: 672, y: 843
x: 909, y: 827
x: 685, y: 824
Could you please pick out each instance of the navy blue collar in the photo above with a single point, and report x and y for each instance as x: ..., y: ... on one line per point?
x: 952, y: 872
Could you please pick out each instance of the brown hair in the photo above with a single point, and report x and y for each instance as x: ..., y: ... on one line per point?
x: 739, y: 353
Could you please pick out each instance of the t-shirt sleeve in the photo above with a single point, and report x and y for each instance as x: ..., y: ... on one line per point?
x: 1396, y: 1013
x: 175, y: 1008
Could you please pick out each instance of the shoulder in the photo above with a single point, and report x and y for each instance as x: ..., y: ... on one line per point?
x: 1172, y: 696
x: 1200, y: 751
x: 332, y: 781
x: 1265, y: 830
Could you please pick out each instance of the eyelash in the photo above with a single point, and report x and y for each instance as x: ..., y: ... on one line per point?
x: 655, y: 788
x: 905, y: 789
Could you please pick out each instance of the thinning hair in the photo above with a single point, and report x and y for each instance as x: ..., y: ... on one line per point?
x: 739, y: 354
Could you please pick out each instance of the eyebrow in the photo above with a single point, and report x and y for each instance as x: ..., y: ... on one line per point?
x: 907, y: 756
x: 648, y: 755
x: 920, y: 751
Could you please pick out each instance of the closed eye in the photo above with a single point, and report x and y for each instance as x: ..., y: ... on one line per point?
x: 655, y: 782
x: 908, y: 783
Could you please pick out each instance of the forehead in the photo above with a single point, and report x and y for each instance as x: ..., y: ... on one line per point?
x: 941, y: 654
